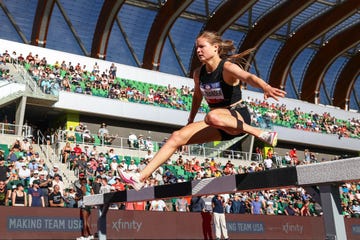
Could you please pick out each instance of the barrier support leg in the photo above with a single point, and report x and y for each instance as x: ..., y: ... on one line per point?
x: 333, y: 218
x: 103, y: 209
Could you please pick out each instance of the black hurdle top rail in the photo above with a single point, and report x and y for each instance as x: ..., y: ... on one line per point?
x: 336, y: 172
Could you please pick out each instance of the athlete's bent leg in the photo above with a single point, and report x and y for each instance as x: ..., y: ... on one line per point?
x: 197, y: 132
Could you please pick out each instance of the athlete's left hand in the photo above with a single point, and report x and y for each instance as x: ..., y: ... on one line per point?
x: 274, y: 93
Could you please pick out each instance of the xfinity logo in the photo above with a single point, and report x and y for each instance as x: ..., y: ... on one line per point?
x: 120, y: 225
x: 289, y: 228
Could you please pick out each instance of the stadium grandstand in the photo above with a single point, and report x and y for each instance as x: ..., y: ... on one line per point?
x: 89, y: 89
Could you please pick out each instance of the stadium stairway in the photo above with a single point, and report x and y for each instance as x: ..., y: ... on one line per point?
x: 47, y: 152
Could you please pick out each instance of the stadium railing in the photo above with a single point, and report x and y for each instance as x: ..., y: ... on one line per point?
x: 198, y: 150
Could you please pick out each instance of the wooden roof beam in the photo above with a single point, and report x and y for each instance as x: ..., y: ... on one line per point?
x: 307, y: 34
x: 41, y: 22
x: 103, y: 28
x: 160, y: 29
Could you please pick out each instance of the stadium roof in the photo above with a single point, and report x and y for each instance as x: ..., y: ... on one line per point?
x: 311, y: 48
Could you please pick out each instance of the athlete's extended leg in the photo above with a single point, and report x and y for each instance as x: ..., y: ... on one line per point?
x: 197, y: 132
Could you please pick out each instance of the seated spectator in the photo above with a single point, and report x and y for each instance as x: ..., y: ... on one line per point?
x: 141, y: 142
x: 294, y: 157
x: 105, y: 187
x: 18, y: 197
x: 35, y: 176
x: 16, y: 146
x: 42, y: 170
x: 45, y: 185
x: 56, y: 198
x: 70, y: 134
x: 57, y: 181
x: 158, y: 176
x: 70, y: 197
x: 268, y: 163
x: 87, y: 136
x: 72, y: 160
x: 105, y: 135
x: 25, y: 145
x: 132, y: 140
x: 290, y: 210
x: 118, y: 185
x: 110, y: 178
x: 66, y: 152
x: 196, y: 167
x: 78, y: 149
x: 113, y: 165
x: 36, y: 157
x: 87, y: 151
x: 179, y: 161
x: 288, y: 160
x: 12, y: 157
x: 3, y: 170
x: 80, y: 128
x: 206, y: 163
x: 33, y: 166
x: 24, y: 174
x: 93, y: 164
x: 55, y: 170
x: 142, y: 164
x: 355, y: 209
x: 35, y: 195
x: 102, y: 158
x: 82, y: 163
x: 4, y: 196
x: 94, y: 152
x: 111, y: 154
x: 100, y: 169
x: 188, y: 166
x: 149, y: 144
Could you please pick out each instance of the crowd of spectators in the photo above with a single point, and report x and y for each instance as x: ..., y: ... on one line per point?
x: 312, y: 121
x: 66, y: 76
x: 4, y: 71
x: 25, y: 180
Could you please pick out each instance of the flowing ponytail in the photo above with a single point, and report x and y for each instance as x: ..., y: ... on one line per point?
x: 227, y: 48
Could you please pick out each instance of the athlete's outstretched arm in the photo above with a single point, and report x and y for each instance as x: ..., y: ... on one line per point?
x: 233, y: 71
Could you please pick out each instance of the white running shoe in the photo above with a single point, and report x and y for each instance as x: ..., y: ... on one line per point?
x: 132, y: 179
x: 81, y: 238
x: 269, y: 138
x: 91, y: 237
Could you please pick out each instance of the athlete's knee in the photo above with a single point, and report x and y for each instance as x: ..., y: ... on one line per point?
x: 177, y: 138
x: 213, y: 119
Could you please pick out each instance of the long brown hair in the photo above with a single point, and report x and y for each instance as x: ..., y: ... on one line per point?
x: 226, y: 48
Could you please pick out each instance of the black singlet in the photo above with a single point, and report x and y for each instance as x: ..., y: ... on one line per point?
x: 215, y: 90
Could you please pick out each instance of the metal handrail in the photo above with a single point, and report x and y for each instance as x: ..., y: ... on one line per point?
x: 192, y: 150
x: 11, y: 129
